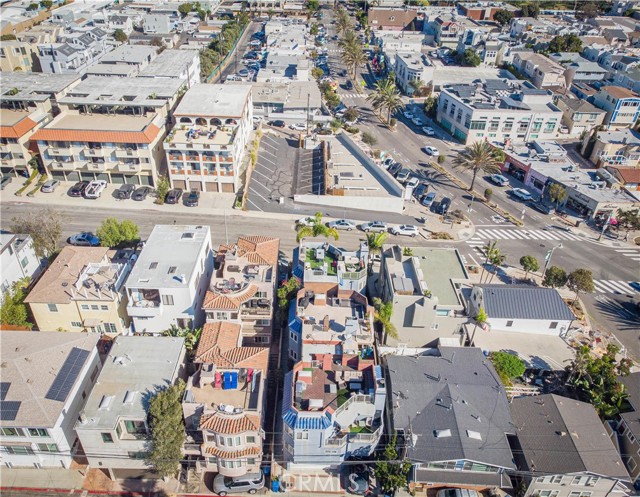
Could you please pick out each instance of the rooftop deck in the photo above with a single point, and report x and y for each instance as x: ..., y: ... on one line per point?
x: 202, y: 135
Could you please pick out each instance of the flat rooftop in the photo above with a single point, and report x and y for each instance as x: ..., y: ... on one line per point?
x: 35, y: 86
x: 112, y: 69
x: 129, y: 54
x: 292, y: 94
x: 169, y: 64
x: 100, y: 122
x: 209, y: 135
x: 225, y: 101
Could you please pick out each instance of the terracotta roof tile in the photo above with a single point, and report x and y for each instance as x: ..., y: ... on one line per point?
x: 233, y: 454
x: 19, y: 129
x: 213, y: 300
x: 619, y: 92
x: 223, y: 423
x: 256, y: 249
x: 220, y: 345
x: 74, y: 135
x: 629, y: 174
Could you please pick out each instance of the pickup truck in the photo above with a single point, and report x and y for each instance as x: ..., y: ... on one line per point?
x: 95, y: 189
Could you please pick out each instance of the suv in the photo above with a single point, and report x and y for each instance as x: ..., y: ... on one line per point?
x: 444, y: 205
x: 125, y: 191
x: 191, y: 199
x: 78, y: 189
x: 173, y: 196
x: 521, y: 194
x: 250, y: 483
x: 499, y: 180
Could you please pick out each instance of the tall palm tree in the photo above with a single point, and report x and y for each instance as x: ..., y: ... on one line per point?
x: 348, y: 38
x: 496, y: 261
x: 316, y: 228
x: 383, y: 313
x: 386, y: 97
x: 480, y: 319
x: 479, y: 156
x: 375, y: 241
x: 353, y: 56
x: 490, y: 249
x: 343, y: 23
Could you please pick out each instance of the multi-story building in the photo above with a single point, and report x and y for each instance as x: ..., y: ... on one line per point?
x: 332, y: 409
x: 498, y: 111
x: 82, y: 290
x: 578, y: 68
x: 126, y: 60
x: 224, y: 401
x: 18, y: 260
x: 76, y: 52
x: 485, y: 11
x: 45, y: 378
x: 411, y: 67
x: 622, y: 106
x: 17, y: 56
x: 175, y: 64
x: 29, y: 103
x: 110, y: 129
x: 169, y: 280
x: 242, y: 288
x: 579, y: 115
x: 542, y: 71
x: 616, y: 148
x: 113, y: 427
x: 206, y: 146
x: 392, y: 19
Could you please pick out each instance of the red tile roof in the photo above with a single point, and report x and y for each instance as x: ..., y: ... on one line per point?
x: 19, y: 129
x: 256, y: 249
x: 76, y: 135
x: 233, y: 454
x: 223, y: 423
x: 214, y: 300
x: 220, y: 345
x: 629, y: 174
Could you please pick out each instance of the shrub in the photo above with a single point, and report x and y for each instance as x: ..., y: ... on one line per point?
x: 488, y: 193
x: 352, y: 129
x: 392, y: 122
x: 441, y: 158
x: 441, y: 235
x: 369, y: 139
x: 507, y: 365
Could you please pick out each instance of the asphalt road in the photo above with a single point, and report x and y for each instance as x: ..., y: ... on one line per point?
x: 235, y: 63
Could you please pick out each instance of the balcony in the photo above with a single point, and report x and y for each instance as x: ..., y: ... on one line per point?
x: 94, y: 152
x: 144, y: 303
x: 191, y: 449
x: 96, y: 166
x: 66, y: 166
x: 128, y: 168
x: 124, y: 153
x: 59, y: 151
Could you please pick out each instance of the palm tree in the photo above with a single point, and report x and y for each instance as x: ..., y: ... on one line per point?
x: 375, y: 241
x: 386, y: 97
x: 383, y: 313
x: 348, y: 38
x: 316, y: 228
x: 353, y: 56
x: 496, y: 261
x: 479, y: 156
x: 343, y: 23
x: 480, y: 319
x: 490, y: 249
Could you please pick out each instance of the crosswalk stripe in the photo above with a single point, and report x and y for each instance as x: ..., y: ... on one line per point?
x: 571, y: 236
x: 553, y: 236
x: 480, y: 235
x: 611, y: 286
x: 603, y: 286
x: 542, y: 234
x: 627, y: 250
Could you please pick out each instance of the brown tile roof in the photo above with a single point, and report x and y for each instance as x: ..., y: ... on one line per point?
x: 629, y: 174
x: 619, y: 92
x: 391, y: 17
x: 256, y: 249
x: 223, y: 423
x: 214, y: 300
x: 233, y: 454
x: 53, y: 286
x: 75, y: 135
x: 18, y: 130
x: 220, y: 345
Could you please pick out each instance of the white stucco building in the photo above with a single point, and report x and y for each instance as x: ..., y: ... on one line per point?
x: 18, y: 259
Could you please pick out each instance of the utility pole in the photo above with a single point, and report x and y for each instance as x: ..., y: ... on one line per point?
x: 547, y: 259
x: 604, y: 226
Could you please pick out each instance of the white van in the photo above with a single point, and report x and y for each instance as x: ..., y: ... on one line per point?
x: 95, y: 189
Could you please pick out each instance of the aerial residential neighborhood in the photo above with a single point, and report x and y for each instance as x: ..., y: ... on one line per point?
x: 310, y: 247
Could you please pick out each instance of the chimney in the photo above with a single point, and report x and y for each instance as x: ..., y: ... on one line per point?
x: 325, y: 323
x: 327, y: 361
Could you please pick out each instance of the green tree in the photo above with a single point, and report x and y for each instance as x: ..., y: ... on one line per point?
x: 431, y: 106
x: 286, y: 292
x: 479, y: 156
x: 351, y: 114
x: 8, y: 37
x: 488, y: 193
x: 13, y: 310
x: 375, y: 241
x: 316, y: 228
x: 162, y: 188
x: 629, y: 220
x: 343, y: 22
x: 470, y: 58
x: 530, y: 10
x: 386, y: 97
x: 555, y: 277
x: 496, y: 260
x: 480, y: 319
x: 352, y: 54
x: 565, y: 43
x: 313, y: 6
x: 557, y: 193
x: 120, y: 36
x: 382, y: 315
x: 167, y: 429
x: 580, y: 281
x: 317, y: 73
x: 313, y: 30
x: 114, y: 233
x: 587, y: 10
x: 507, y: 366
x: 332, y: 99
x: 503, y: 17
x: 369, y: 139
x: 32, y: 6
x: 45, y: 228
x: 185, y: 8
x: 191, y: 337
x: 391, y: 474
x: 529, y: 263
x: 46, y: 4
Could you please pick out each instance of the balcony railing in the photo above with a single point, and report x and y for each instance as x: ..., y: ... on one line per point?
x: 354, y: 275
x: 123, y: 153
x: 94, y: 152
x: 354, y: 398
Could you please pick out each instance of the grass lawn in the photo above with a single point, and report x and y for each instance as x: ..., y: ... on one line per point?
x: 315, y: 264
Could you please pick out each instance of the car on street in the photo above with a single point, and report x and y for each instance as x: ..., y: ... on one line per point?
x: 429, y: 150
x: 84, y: 239
x: 405, y: 230
x: 413, y: 182
x: 249, y: 483
x: 358, y: 483
x: 141, y: 193
x: 306, y: 221
x: 374, y: 227
x: 403, y: 175
x: 278, y: 123
x: 95, y: 188
x: 420, y: 190
x: 542, y: 208
x: 635, y: 285
x: 407, y: 114
x: 386, y: 163
x: 348, y: 85
x: 521, y: 194
x: 5, y: 181
x: 394, y: 168
x: 125, y: 191
x: 298, y: 126
x: 342, y: 73
x: 443, y: 206
x: 173, y: 196
x: 78, y: 189
x: 417, y: 121
x: 191, y: 199
x: 50, y: 186
x: 498, y: 179
x: 428, y: 199
x: 427, y: 130
x: 342, y: 224
x: 457, y: 492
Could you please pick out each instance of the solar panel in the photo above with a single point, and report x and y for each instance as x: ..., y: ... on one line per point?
x: 9, y: 410
x: 67, y: 375
x: 4, y: 388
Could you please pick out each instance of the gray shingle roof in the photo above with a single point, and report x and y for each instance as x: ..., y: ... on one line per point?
x: 561, y: 435
x: 524, y: 302
x: 458, y: 392
x: 632, y: 387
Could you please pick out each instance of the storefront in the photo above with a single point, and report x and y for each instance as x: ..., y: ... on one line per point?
x: 519, y: 170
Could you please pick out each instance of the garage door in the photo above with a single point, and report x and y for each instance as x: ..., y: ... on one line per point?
x: 103, y: 176
x: 131, y: 180
x: 146, y: 180
x: 180, y: 183
x: 87, y: 176
x: 73, y: 176
x: 211, y: 187
x: 117, y: 179
x: 59, y: 175
x: 195, y: 185
x: 227, y: 187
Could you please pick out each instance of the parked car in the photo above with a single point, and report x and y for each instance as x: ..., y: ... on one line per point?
x: 387, y: 162
x: 278, y: 123
x: 403, y: 175
x: 84, y: 239
x: 306, y: 221
x: 457, y: 492
x: 443, y: 206
x: 542, y: 207
x: 141, y: 193
x: 249, y: 483
x: 413, y: 182
x: 417, y: 121
x: 173, y: 196
x: 420, y: 190
x: 407, y: 114
x: 428, y: 199
x: 521, y: 194
x: 428, y: 131
x: 191, y: 199
x: 348, y: 85
x: 433, y: 151
x: 78, y: 189
x: 374, y: 227
x: 499, y: 180
x: 405, y: 230
x: 342, y: 73
x: 50, y: 186
x: 342, y: 224
x: 5, y: 181
x: 394, y: 168
x: 299, y: 126
x: 125, y: 191
x: 95, y: 189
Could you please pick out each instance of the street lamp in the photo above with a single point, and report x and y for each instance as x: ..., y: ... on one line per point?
x: 547, y: 258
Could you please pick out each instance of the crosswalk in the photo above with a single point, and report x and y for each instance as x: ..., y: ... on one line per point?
x: 521, y: 234
x: 612, y: 286
x: 351, y: 95
x: 632, y: 253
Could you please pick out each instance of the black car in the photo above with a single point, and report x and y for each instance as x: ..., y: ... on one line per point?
x: 5, y: 181
x: 348, y: 85
x: 125, y: 191
x: 542, y: 208
x: 394, y: 168
x: 78, y: 189
x: 141, y: 193
x: 277, y: 124
x: 173, y: 196
x: 420, y: 190
x: 443, y: 206
x: 342, y: 73
x: 191, y: 198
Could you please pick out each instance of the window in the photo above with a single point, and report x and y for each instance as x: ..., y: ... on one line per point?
x: 94, y: 307
x: 294, y: 337
x: 263, y: 322
x: 24, y: 261
x: 302, y: 435
x: 260, y: 339
x: 167, y: 299
x: 580, y: 494
x: 548, y: 493
x: 137, y: 455
x: 238, y: 441
x: 110, y: 328
x: 52, y: 307
x: 94, y: 373
x: 12, y: 432
x: 509, y: 324
x: 153, y: 265
x: 250, y: 439
x: 172, y: 270
x: 251, y: 461
x: 11, y: 449
x: 104, y: 307
x: 135, y: 427
x: 38, y: 432
x: 107, y: 438
x: 550, y: 479
x: 553, y: 325
x: 84, y: 307
x: 478, y: 124
x: 76, y: 324
x: 47, y: 447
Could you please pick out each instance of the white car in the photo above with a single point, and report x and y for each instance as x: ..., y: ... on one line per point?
x: 499, y: 180
x: 413, y: 182
x: 431, y: 151
x: 417, y: 121
x: 521, y: 194
x: 342, y: 224
x: 306, y: 221
x: 407, y: 114
x: 428, y: 131
x: 374, y: 227
x: 405, y: 230
x: 95, y: 189
x: 299, y: 126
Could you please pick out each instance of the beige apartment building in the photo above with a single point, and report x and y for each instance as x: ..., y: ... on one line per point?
x: 82, y: 291
x: 242, y: 288
x: 16, y: 56
x: 110, y: 129
x: 207, y: 144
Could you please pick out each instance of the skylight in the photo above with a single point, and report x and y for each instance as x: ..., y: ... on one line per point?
x: 474, y: 434
x: 441, y: 433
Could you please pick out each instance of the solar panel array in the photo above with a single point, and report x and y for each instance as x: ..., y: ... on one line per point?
x: 66, y: 377
x: 8, y: 408
x: 4, y: 388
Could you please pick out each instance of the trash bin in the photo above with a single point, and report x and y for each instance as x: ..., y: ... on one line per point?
x: 275, y: 485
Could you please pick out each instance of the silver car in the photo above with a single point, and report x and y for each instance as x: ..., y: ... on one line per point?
x: 50, y: 186
x: 249, y: 483
x: 342, y: 224
x: 374, y: 227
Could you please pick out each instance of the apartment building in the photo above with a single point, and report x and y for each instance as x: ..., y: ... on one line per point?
x: 622, y: 106
x: 206, y: 146
x: 579, y: 115
x: 27, y: 104
x: 169, y: 280
x: 542, y: 71
x: 18, y: 260
x: 17, y: 56
x: 45, y: 378
x: 75, y: 53
x: 82, y: 290
x: 387, y: 19
x: 498, y: 111
x: 243, y: 286
x: 109, y: 129
x: 332, y: 409
x: 224, y: 401
x: 579, y: 68
x: 125, y: 60
x: 449, y: 29
x: 616, y: 148
x: 412, y: 68
x: 175, y: 64
x: 113, y: 427
x: 624, y: 430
